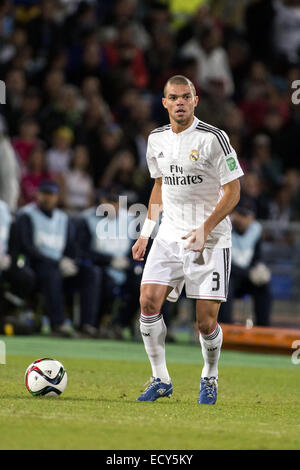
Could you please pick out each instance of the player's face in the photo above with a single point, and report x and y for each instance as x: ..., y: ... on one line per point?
x: 180, y: 102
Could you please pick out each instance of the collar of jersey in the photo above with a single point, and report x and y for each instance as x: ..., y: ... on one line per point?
x: 188, y: 129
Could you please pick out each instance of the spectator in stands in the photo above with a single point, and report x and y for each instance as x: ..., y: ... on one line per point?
x: 90, y: 87
x: 239, y: 59
x: 281, y: 214
x: 47, y: 241
x: 234, y: 121
x: 125, y: 11
x: 249, y: 275
x: 158, y: 15
x: 254, y: 102
x: 286, y: 29
x: 82, y: 18
x: 258, y: 22
x: 138, y: 116
x: 90, y: 63
x: 140, y: 143
x: 63, y: 111
x: 214, y: 105
x: 6, y: 19
x: 292, y: 180
x: 126, y: 103
x: 26, y: 140
x: 15, y: 81
x: 44, y: 31
x: 121, y: 171
x: 11, y: 44
x: 267, y: 166
x: 77, y: 182
x: 212, y: 58
x: 187, y: 66
x: 31, y: 104
x: 126, y: 55
x: 161, y: 57
x: 53, y: 84
x: 35, y: 172
x: 197, y: 22
x: 252, y: 187
x: 60, y: 154
x: 126, y: 60
x: 101, y: 137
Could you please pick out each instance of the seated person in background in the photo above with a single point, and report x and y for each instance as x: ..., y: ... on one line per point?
x: 16, y: 278
x: 102, y: 244
x: 248, y: 274
x: 47, y: 239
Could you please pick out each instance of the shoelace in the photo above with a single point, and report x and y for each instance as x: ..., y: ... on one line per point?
x: 149, y: 384
x: 210, y: 386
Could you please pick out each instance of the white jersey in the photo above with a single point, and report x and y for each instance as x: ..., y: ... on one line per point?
x: 193, y: 165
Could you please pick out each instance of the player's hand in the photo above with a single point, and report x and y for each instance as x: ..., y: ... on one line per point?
x: 139, y: 248
x: 197, y: 238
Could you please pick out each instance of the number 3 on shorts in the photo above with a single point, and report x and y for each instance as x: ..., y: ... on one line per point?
x: 216, y: 279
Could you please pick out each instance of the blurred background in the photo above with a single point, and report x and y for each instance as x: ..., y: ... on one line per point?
x: 84, y: 83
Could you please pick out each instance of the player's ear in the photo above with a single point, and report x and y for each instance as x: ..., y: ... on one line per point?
x: 196, y: 100
x: 164, y: 102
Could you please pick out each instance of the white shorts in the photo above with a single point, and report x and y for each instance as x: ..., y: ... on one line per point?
x: 205, y: 275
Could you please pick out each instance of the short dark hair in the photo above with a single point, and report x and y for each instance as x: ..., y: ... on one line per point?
x: 180, y: 80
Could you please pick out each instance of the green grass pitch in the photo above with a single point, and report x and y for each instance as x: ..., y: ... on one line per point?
x: 257, y: 407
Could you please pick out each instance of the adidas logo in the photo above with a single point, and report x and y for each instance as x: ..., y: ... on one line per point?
x: 145, y: 334
x: 161, y: 155
x: 161, y: 391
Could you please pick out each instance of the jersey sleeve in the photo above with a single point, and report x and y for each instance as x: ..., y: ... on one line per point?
x: 152, y: 162
x: 225, y: 159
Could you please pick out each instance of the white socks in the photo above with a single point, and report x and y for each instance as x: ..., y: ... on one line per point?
x: 211, y: 348
x: 154, y: 330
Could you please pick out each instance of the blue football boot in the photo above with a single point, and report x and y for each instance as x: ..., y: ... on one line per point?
x: 208, y: 391
x: 156, y: 389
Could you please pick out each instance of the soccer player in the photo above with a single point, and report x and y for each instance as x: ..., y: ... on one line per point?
x: 196, y: 187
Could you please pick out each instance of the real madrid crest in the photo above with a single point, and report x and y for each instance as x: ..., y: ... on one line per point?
x: 194, y: 155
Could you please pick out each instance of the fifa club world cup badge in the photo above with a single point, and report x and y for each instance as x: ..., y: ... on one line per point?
x: 194, y: 156
x: 231, y: 163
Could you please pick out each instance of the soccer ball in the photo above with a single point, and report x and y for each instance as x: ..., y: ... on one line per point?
x: 46, y: 377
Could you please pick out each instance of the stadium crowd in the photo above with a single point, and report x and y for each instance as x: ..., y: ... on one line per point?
x: 84, y: 82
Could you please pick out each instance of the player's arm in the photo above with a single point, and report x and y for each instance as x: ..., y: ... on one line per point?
x: 155, y: 201
x: 224, y: 207
x: 154, y: 209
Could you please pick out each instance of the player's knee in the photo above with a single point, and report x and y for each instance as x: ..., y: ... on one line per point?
x: 148, y: 303
x: 206, y: 326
